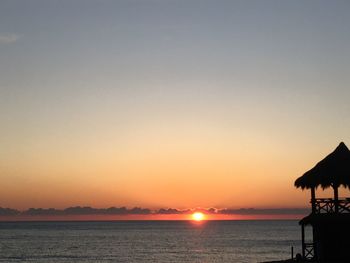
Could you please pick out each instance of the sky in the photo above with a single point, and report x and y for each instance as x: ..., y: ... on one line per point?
x: 169, y: 104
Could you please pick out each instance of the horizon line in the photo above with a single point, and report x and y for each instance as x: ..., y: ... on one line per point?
x: 139, y: 211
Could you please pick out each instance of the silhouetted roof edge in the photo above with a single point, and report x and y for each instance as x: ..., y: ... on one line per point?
x: 334, y: 168
x: 326, y: 217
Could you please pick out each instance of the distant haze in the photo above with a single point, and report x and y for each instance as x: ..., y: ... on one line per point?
x: 138, y: 213
x: 180, y: 104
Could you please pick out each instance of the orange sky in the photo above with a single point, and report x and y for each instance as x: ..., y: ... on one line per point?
x: 162, y: 104
x: 179, y: 175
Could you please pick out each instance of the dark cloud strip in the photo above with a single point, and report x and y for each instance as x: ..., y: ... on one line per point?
x: 8, y: 212
x: 269, y: 211
x: 78, y: 210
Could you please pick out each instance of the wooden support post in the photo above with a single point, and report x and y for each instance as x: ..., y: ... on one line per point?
x: 313, y: 200
x: 314, y: 240
x: 336, y: 198
x: 303, y: 240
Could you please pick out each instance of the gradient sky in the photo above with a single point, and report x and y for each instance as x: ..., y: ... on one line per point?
x: 166, y: 103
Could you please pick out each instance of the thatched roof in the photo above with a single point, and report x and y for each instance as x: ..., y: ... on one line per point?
x: 334, y: 170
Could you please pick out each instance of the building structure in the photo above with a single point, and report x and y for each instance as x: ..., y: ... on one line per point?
x: 330, y: 217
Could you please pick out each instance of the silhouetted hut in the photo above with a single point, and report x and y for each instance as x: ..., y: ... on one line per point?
x: 330, y: 217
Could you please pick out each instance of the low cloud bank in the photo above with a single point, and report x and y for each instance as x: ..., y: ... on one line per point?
x: 86, y: 210
x: 268, y: 211
x: 8, y: 212
x: 78, y: 210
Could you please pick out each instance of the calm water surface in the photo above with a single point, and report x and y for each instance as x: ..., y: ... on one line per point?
x: 148, y: 241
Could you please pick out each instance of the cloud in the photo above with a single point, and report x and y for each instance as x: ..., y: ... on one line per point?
x: 82, y: 211
x: 171, y: 211
x: 116, y: 211
x: 8, y: 38
x: 87, y: 210
x: 268, y: 211
x: 8, y: 212
x: 140, y: 211
x: 42, y: 211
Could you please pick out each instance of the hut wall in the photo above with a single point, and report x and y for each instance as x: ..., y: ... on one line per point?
x: 332, y: 239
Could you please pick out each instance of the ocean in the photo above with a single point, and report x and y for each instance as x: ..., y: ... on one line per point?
x: 149, y: 241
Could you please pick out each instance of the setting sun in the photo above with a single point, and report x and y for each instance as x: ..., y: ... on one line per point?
x: 198, y: 216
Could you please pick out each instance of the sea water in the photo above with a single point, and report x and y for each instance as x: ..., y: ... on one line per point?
x: 148, y: 241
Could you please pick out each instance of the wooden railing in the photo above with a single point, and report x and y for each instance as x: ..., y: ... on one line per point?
x: 328, y: 205
x: 309, y: 251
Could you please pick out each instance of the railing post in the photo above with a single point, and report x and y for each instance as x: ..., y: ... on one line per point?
x: 303, y: 240
x: 313, y: 200
x: 336, y: 198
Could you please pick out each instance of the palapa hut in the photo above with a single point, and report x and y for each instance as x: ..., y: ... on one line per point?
x: 330, y: 217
